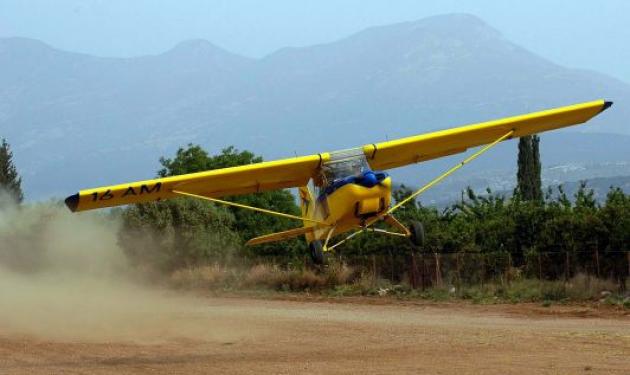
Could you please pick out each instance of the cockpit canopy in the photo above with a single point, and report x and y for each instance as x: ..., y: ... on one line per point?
x: 345, y: 167
x: 344, y: 163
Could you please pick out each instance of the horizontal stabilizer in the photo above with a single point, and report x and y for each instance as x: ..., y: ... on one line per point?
x: 280, y: 236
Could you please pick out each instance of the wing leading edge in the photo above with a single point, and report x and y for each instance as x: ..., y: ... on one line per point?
x: 423, y: 147
x: 251, y: 178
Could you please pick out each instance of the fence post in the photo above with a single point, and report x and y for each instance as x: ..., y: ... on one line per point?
x: 413, y: 277
x: 509, y: 268
x: 423, y: 271
x: 458, y: 269
x: 539, y: 266
x: 483, y: 268
x: 391, y: 261
x: 438, y: 273
x: 374, y: 277
x: 566, y: 266
x: 597, y: 259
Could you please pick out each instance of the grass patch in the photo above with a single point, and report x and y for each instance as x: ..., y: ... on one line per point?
x: 579, y: 288
x: 205, y: 277
x: 337, y: 280
x: 263, y: 276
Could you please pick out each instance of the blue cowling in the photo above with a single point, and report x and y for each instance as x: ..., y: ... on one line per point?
x: 368, y: 179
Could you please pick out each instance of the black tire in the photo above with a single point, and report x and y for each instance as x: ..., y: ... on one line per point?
x: 417, y: 237
x: 317, y: 252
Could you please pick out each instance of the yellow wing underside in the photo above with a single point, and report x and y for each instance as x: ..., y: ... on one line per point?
x: 295, y: 172
x: 419, y: 148
x: 246, y: 179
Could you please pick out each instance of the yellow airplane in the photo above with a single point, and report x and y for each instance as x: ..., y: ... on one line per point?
x: 352, y: 191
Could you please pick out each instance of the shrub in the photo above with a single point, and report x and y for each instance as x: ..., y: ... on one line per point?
x: 204, y: 277
x: 338, y: 274
x: 178, y: 233
x: 271, y: 276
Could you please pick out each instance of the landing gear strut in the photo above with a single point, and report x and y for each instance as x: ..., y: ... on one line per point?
x: 317, y: 252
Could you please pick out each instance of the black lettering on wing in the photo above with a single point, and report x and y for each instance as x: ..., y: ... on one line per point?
x: 155, y: 189
x: 129, y: 191
x: 107, y: 195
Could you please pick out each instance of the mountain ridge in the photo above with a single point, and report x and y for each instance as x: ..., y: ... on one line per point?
x: 60, y: 108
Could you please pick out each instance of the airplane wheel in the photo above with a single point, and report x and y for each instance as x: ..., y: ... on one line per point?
x: 317, y: 252
x: 417, y: 233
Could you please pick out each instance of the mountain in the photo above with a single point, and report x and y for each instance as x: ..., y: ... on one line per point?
x: 79, y: 121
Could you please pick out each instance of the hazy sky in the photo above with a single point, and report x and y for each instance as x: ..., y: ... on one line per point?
x: 578, y: 33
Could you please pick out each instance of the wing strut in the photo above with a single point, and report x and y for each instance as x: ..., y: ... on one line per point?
x: 363, y: 230
x: 449, y: 172
x: 392, y: 221
x: 257, y: 209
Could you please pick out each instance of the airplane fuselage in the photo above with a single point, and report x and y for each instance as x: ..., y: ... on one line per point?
x: 350, y: 206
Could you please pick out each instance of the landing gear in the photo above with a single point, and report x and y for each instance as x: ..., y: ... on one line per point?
x: 417, y: 237
x: 317, y: 252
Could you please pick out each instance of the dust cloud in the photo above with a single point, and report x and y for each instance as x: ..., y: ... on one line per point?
x: 63, y: 277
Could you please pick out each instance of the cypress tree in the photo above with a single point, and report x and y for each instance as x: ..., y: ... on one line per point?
x: 537, y: 193
x: 529, y: 184
x: 10, y: 180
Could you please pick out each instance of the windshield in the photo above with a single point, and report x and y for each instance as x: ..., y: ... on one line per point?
x: 343, y: 164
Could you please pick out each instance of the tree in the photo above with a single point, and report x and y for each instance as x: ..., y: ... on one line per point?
x: 10, y: 180
x: 529, y: 185
x: 178, y: 233
x: 247, y: 223
x: 615, y: 216
x: 189, y: 160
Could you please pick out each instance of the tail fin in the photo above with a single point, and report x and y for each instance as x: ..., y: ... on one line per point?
x: 307, y: 203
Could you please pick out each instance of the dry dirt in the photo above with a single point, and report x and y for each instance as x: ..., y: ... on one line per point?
x: 244, y: 335
x: 70, y: 304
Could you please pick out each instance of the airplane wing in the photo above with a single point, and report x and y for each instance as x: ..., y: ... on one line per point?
x: 295, y: 172
x: 423, y: 147
x: 251, y: 178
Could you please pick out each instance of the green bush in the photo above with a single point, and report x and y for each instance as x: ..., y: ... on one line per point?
x: 178, y: 233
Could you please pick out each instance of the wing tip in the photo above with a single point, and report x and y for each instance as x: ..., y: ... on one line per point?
x: 72, y: 202
x: 607, y: 104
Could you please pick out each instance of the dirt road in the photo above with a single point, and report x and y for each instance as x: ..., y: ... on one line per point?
x: 249, y: 336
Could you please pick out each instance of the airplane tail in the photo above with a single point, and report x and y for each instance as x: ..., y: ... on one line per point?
x: 307, y: 204
x: 306, y: 200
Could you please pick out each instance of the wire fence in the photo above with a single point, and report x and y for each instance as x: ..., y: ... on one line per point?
x: 425, y: 270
